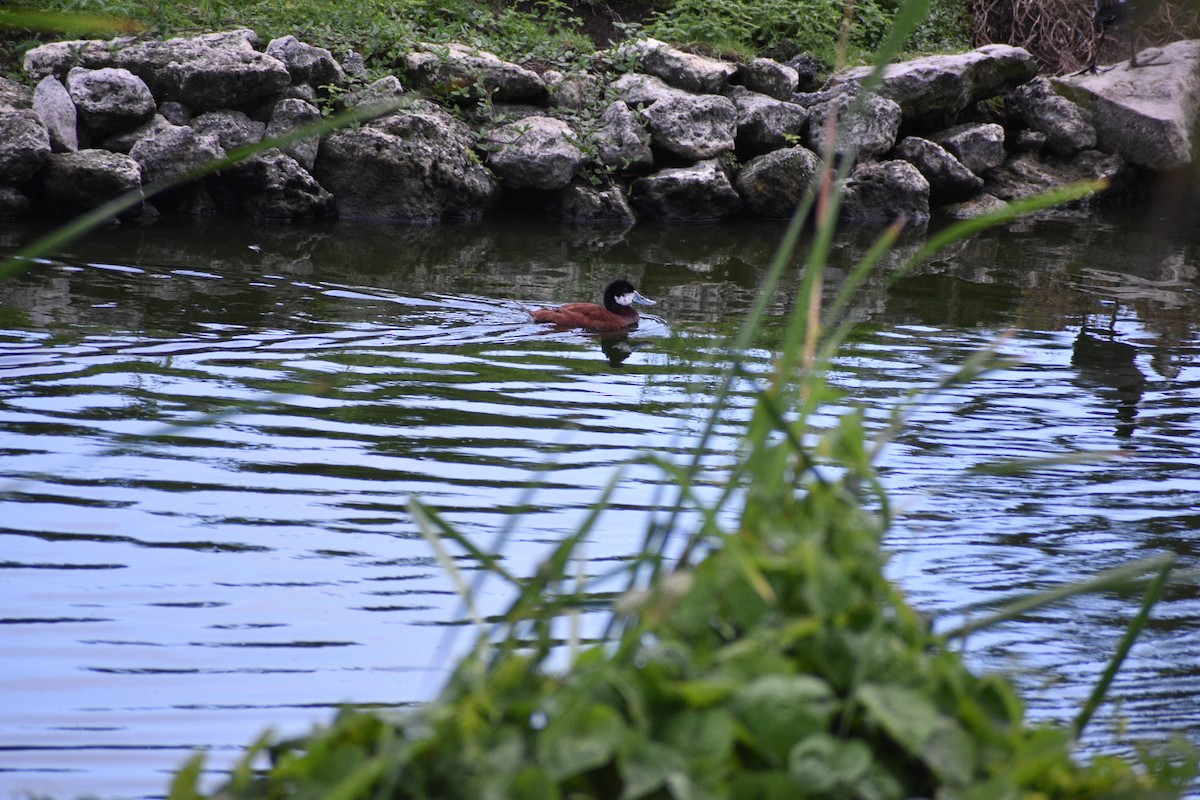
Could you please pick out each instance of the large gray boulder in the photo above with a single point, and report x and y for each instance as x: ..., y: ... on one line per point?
x: 124, y: 141
x: 59, y: 58
x: 172, y: 152
x: 640, y: 89
x: 882, y: 192
x: 85, y: 179
x: 769, y: 77
x: 764, y: 123
x: 697, y: 193
x: 24, y: 146
x: 867, y: 128
x: 773, y: 184
x: 1148, y: 115
x: 456, y: 69
x: 978, y: 146
x: 412, y: 166
x: 687, y: 71
x: 932, y: 91
x: 109, y: 99
x: 14, y: 96
x: 288, y: 115
x: 1065, y: 125
x: 1026, y: 175
x: 272, y: 187
x: 307, y: 64
x: 54, y: 106
x: 584, y: 204
x: 207, y: 73
x: 949, y: 180
x: 233, y: 129
x: 536, y: 153
x: 621, y: 143
x: 693, y: 127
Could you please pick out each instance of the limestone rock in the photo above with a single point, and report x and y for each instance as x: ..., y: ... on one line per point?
x: 621, y: 142
x: 687, y: 71
x: 639, y: 89
x: 271, y: 186
x: 14, y: 96
x: 536, y: 153
x: 24, y: 146
x: 233, y: 129
x: 307, y: 64
x: 934, y: 90
x: 582, y: 203
x: 453, y: 68
x: 54, y: 106
x: 694, y: 127
x: 289, y: 114
x: 412, y: 166
x: 123, y: 142
x: 686, y: 194
x: 207, y: 73
x: 880, y: 193
x: 949, y: 180
x: 1147, y: 115
x: 576, y: 90
x: 175, y: 113
x: 977, y: 206
x: 769, y: 77
x: 110, y: 99
x: 174, y: 151
x: 979, y: 147
x: 774, y: 183
x: 385, y: 92
x: 868, y: 132
x: 1064, y: 124
x: 59, y: 58
x: 85, y: 179
x: 1026, y: 175
x: 764, y: 123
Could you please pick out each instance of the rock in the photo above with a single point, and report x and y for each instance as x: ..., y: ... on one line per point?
x: 576, y: 91
x: 694, y: 127
x: 14, y: 96
x: 353, y: 65
x: 692, y: 73
x: 773, y: 184
x: 621, y: 142
x: 207, y: 73
x: 24, y: 146
x: 289, y: 114
x: 764, y: 123
x: 172, y: 152
x: 535, y: 153
x: 233, y: 129
x: 638, y: 89
x: 13, y: 202
x: 54, y: 106
x: 808, y: 71
x: 412, y: 166
x: 765, y: 76
x: 869, y: 133
x: 1026, y: 175
x: 110, y: 99
x: 307, y: 64
x: 977, y: 206
x: 932, y: 91
x: 271, y: 186
x: 175, y: 113
x: 697, y: 193
x: 1027, y: 141
x: 1147, y: 115
x: 124, y: 142
x: 883, y: 192
x: 59, y: 58
x: 949, y: 180
x: 979, y: 147
x: 455, y: 70
x: 85, y: 179
x: 582, y: 203
x: 1039, y: 107
x: 384, y: 93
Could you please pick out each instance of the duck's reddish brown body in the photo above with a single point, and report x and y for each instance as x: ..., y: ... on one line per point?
x: 616, y: 314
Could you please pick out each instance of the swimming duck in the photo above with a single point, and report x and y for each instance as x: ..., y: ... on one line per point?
x: 616, y: 313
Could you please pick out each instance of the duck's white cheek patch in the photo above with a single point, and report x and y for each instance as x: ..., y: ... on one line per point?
x: 625, y: 299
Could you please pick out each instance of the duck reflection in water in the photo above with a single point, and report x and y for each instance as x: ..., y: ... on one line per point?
x: 1106, y: 363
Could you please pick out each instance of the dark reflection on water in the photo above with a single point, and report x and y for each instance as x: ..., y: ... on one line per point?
x: 209, y: 432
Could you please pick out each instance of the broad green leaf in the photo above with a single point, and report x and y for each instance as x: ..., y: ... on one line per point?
x: 779, y: 710
x: 706, y: 734
x: 768, y: 785
x: 184, y: 784
x: 909, y: 717
x: 646, y: 766
x: 950, y: 753
x: 576, y: 743
x: 532, y: 783
x: 820, y: 762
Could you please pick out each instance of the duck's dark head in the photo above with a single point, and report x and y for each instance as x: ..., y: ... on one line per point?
x: 620, y: 295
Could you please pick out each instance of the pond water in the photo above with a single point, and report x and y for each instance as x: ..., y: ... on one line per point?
x: 209, y: 433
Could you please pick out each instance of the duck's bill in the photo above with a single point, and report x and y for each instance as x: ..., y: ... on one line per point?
x: 641, y: 299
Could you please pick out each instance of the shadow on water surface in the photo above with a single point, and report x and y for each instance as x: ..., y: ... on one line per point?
x: 257, y: 566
